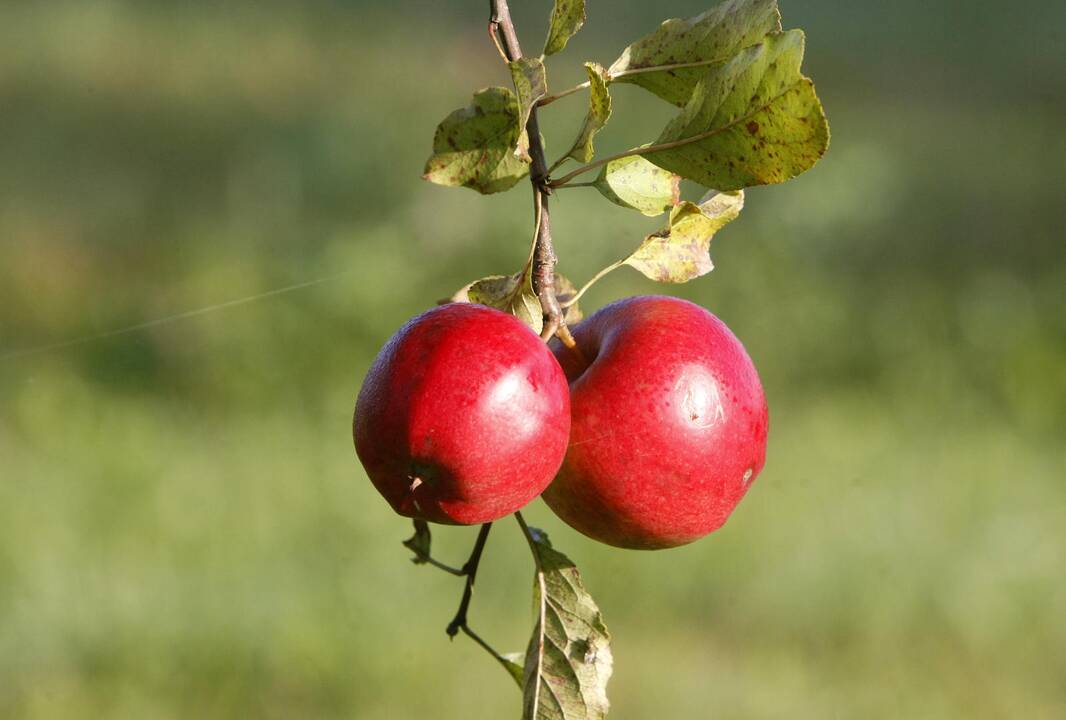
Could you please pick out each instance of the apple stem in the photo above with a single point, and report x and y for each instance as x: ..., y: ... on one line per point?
x: 470, y: 571
x: 502, y: 30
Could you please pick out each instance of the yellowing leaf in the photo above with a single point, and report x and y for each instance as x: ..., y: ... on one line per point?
x: 682, y: 252
x: 567, y: 18
x: 670, y: 61
x: 633, y: 182
x: 598, y: 115
x: 472, y: 147
x: 753, y: 121
x: 531, y: 85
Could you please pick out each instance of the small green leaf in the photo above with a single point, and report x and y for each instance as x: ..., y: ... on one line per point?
x: 568, y: 662
x: 698, y: 43
x: 598, y: 115
x: 472, y: 147
x: 511, y: 293
x: 512, y: 663
x: 531, y: 84
x: 633, y: 182
x: 682, y: 251
x: 753, y: 121
x: 420, y: 542
x: 567, y: 18
x: 514, y: 294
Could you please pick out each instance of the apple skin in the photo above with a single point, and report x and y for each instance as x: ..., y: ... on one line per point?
x: 473, y: 404
x: 669, y: 425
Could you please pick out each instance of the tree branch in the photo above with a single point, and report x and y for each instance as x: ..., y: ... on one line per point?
x: 544, y: 258
x: 470, y: 571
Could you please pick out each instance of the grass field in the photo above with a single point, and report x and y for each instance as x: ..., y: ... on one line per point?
x: 184, y: 528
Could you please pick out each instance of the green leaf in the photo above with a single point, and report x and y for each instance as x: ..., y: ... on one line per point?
x: 514, y: 294
x: 512, y: 663
x: 472, y: 147
x: 510, y: 170
x: 682, y: 251
x: 698, y: 43
x: 567, y: 18
x: 633, y: 182
x: 531, y: 84
x: 511, y: 293
x: 568, y: 662
x: 598, y: 115
x: 753, y: 121
x: 420, y: 542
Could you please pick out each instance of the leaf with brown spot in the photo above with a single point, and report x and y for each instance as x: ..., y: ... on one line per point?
x: 567, y: 18
x: 473, y: 146
x: 568, y: 662
x: 754, y: 121
x: 712, y: 37
x: 682, y: 251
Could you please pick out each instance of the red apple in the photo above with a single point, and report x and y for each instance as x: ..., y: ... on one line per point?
x: 464, y: 416
x: 668, y: 428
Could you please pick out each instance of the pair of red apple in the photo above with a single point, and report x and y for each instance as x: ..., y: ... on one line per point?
x: 646, y: 437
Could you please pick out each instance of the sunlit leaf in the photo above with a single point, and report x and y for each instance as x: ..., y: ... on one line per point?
x: 700, y: 42
x: 753, y: 121
x: 682, y: 251
x: 633, y: 182
x: 598, y: 114
x: 568, y: 662
x: 472, y: 147
x: 567, y: 18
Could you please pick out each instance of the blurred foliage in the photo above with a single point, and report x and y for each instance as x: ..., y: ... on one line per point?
x: 185, y: 531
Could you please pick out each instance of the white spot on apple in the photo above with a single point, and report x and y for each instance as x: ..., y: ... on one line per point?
x: 700, y: 401
x: 509, y: 403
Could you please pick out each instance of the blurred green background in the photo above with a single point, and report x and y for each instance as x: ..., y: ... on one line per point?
x: 185, y: 530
